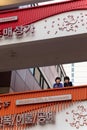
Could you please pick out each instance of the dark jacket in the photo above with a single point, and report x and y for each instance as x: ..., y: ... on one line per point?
x: 68, y: 84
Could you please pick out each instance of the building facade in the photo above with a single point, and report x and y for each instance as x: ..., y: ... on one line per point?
x: 30, y: 79
x: 77, y: 72
x: 42, y: 36
x: 48, y: 109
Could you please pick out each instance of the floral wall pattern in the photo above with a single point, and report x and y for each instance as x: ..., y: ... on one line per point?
x: 69, y: 22
x: 79, y: 117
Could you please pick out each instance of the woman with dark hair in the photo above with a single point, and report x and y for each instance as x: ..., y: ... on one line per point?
x: 58, y: 83
x: 67, y: 82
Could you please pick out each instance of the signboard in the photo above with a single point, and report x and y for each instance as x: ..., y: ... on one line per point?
x: 31, y: 118
x: 18, y: 31
x: 8, y: 19
x: 43, y: 99
x: 28, y: 118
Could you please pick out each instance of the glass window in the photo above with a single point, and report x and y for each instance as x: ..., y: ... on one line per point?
x: 39, y: 78
x: 72, y: 74
x: 72, y: 80
x: 41, y: 81
x: 72, y: 64
x: 4, y: 90
x: 72, y: 69
x: 32, y: 70
x: 45, y: 85
x: 37, y: 75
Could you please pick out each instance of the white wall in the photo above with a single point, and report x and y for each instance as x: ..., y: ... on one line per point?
x: 80, y: 72
x: 63, y: 116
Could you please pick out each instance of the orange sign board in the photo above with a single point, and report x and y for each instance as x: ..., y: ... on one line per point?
x: 12, y: 113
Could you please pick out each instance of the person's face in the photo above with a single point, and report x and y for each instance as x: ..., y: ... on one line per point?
x: 57, y: 81
x: 66, y: 81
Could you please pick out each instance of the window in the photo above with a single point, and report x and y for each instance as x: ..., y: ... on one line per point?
x: 4, y: 90
x: 72, y: 64
x: 72, y: 70
x: 45, y: 85
x: 37, y: 75
x: 61, y: 72
x: 72, y: 74
x: 72, y: 80
x: 32, y: 71
x: 39, y: 78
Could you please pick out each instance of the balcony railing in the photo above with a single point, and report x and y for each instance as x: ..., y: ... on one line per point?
x: 78, y: 93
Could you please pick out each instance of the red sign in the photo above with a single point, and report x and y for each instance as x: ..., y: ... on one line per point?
x: 31, y: 15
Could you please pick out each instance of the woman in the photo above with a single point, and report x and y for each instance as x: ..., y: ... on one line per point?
x: 67, y: 82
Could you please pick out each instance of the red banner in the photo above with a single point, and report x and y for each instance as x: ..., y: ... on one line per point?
x: 31, y: 15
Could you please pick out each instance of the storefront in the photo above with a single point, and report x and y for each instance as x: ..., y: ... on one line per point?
x: 59, y: 27
x: 37, y: 37
x: 46, y: 109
